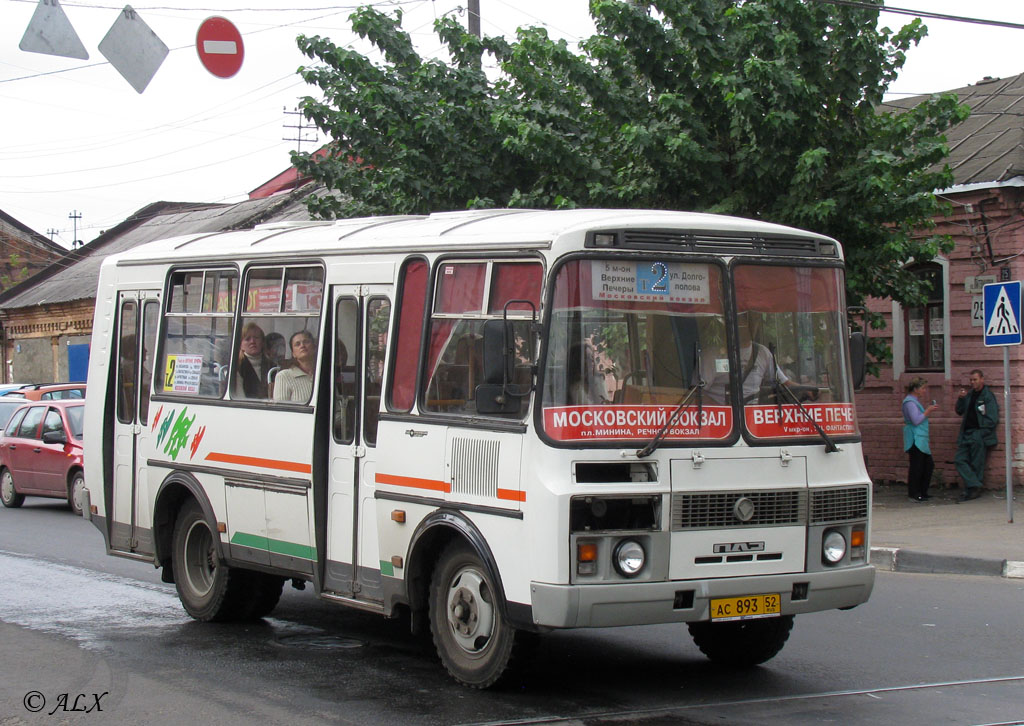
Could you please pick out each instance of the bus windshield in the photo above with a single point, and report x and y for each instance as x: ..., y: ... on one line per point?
x: 631, y: 341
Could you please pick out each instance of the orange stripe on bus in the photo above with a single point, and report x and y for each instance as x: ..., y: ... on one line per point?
x: 513, y: 495
x: 409, y: 481
x: 256, y: 461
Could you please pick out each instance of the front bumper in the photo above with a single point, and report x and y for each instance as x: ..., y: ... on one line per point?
x: 647, y: 603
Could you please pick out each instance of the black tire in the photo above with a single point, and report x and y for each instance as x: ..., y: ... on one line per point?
x: 471, y: 634
x: 208, y: 589
x: 8, y: 497
x: 743, y: 643
x: 264, y: 594
x: 75, y: 491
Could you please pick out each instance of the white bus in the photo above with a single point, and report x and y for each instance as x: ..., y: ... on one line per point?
x: 491, y: 422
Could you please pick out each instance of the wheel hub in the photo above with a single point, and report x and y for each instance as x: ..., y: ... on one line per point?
x: 471, y: 614
x: 464, y: 615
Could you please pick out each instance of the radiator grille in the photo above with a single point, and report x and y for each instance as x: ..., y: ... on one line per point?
x: 474, y: 467
x: 839, y: 505
x: 714, y: 510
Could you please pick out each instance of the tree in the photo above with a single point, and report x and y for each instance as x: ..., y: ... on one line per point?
x: 760, y: 108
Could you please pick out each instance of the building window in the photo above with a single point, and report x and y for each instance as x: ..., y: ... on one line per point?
x: 924, y: 325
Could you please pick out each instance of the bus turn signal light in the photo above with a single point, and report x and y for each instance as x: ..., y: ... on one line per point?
x: 586, y: 558
x: 857, y: 538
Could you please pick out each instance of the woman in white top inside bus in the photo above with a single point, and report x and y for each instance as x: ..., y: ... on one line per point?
x: 296, y: 383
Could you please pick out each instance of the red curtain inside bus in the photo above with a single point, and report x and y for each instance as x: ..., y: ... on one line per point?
x: 778, y: 289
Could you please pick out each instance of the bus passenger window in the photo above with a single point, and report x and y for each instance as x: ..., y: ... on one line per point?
x: 196, y: 349
x: 409, y: 323
x: 468, y: 294
x: 277, y: 347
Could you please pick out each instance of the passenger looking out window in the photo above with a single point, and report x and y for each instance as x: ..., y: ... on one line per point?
x: 254, y: 365
x: 295, y: 384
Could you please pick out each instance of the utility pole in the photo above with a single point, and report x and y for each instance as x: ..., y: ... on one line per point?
x: 75, y: 242
x: 474, y: 18
x: 299, y: 129
x: 51, y: 232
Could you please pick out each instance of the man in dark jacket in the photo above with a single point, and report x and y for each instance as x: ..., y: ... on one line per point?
x: 977, y: 433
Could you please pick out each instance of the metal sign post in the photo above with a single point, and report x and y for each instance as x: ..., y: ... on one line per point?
x: 1003, y: 328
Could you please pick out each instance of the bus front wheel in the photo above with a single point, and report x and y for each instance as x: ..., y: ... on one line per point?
x: 743, y: 643
x: 208, y: 589
x: 472, y: 636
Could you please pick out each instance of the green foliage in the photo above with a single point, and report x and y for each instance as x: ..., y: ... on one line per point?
x: 15, y: 271
x: 758, y: 108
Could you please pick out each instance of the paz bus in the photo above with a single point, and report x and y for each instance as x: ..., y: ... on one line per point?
x: 489, y: 422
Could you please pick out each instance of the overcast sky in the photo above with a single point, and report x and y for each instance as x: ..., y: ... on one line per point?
x: 75, y: 137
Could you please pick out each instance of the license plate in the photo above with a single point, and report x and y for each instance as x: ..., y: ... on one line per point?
x: 746, y: 608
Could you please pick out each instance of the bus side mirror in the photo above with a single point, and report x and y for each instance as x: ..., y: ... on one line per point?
x: 495, y: 356
x: 858, y: 358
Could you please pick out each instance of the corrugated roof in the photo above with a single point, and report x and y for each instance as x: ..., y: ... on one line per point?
x: 988, y: 146
x: 74, y: 277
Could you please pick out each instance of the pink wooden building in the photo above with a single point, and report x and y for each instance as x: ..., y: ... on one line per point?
x: 942, y: 341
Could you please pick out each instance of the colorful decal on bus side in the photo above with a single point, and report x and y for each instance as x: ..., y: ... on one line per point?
x: 434, y: 485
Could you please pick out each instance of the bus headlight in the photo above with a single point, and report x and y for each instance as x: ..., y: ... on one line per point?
x: 833, y: 547
x: 629, y: 558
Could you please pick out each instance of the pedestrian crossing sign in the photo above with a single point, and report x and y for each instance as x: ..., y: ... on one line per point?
x: 1002, y: 314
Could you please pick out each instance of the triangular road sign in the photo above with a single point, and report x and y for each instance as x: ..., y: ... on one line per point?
x: 50, y: 32
x: 1002, y: 320
x: 1002, y: 313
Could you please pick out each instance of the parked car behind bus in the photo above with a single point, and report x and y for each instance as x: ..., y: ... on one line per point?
x: 41, y: 453
x: 48, y: 391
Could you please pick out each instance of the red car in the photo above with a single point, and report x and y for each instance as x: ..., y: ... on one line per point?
x: 41, y: 453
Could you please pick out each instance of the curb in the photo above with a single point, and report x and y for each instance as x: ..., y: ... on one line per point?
x: 897, y: 559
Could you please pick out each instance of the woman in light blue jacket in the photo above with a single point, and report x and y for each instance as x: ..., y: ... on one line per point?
x: 915, y: 439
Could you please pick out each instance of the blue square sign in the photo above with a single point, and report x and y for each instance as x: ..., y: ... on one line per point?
x: 1002, y: 314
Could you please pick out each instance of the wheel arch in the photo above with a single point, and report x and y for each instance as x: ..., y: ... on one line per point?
x: 431, y: 537
x: 72, y: 471
x: 177, y: 488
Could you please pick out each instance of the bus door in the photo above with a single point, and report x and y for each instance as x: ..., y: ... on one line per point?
x: 138, y: 316
x: 361, y: 321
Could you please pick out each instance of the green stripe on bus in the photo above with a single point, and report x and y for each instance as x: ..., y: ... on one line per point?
x: 386, y: 568
x: 276, y: 546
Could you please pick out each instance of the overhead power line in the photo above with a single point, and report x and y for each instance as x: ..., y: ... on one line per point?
x: 922, y: 13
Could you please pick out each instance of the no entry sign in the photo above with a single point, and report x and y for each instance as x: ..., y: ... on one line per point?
x: 220, y: 48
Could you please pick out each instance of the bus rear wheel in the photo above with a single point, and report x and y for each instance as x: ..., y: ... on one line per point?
x: 208, y: 589
x: 743, y: 643
x: 264, y: 593
x: 472, y: 636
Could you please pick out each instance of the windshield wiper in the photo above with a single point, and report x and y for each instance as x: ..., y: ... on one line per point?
x: 698, y: 391
x: 781, y: 390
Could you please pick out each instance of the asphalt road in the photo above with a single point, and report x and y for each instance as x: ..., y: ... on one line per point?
x: 926, y: 649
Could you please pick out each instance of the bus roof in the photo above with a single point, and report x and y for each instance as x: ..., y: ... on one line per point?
x: 474, y: 230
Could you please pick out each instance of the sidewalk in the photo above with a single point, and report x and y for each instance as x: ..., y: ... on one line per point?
x: 940, y: 535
